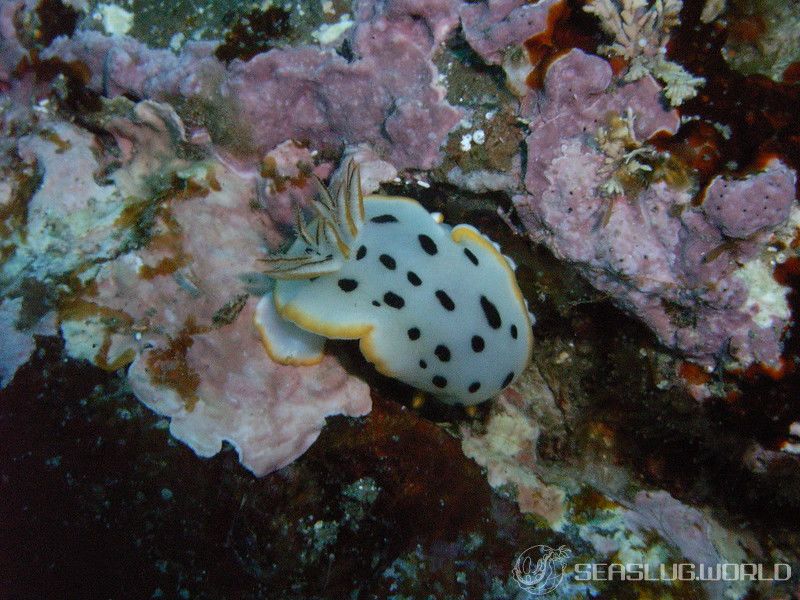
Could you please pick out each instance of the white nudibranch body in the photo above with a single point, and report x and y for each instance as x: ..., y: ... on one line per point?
x: 436, y: 307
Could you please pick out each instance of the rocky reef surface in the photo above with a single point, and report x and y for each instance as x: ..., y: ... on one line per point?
x: 646, y: 189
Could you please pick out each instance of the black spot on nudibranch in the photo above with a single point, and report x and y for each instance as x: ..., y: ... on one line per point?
x: 388, y: 262
x: 507, y: 380
x: 375, y: 303
x: 472, y: 258
x: 514, y: 331
x: 394, y: 300
x: 384, y: 219
x: 442, y: 352
x: 414, y: 279
x: 439, y: 381
x: 413, y: 333
x: 445, y: 300
x: 427, y: 244
x: 490, y: 311
x: 423, y: 364
x: 361, y: 252
x: 347, y: 285
x: 477, y: 343
x: 474, y: 387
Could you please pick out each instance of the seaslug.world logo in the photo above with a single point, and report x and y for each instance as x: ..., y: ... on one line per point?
x: 540, y: 569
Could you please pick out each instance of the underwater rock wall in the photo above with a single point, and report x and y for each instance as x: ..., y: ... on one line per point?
x: 597, y: 188
x: 141, y: 186
x: 144, y: 264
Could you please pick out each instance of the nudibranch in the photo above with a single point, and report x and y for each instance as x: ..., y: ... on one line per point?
x: 436, y: 307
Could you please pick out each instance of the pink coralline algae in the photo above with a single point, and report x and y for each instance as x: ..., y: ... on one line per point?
x: 306, y: 93
x: 121, y: 65
x: 431, y: 21
x: 757, y: 204
x: 156, y: 266
x: 493, y: 27
x: 697, y: 535
x: 55, y: 215
x: 271, y: 413
x: 683, y: 525
x: 693, y: 274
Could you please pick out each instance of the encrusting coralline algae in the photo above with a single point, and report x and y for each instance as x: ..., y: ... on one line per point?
x: 601, y: 196
x: 676, y: 265
x: 172, y: 300
x: 387, y: 96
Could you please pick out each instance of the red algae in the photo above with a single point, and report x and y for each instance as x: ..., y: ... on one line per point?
x: 169, y: 367
x: 693, y: 373
x: 696, y: 145
x: 541, y: 47
x: 787, y: 272
x: 125, y: 358
x: 763, y: 122
x: 13, y: 214
x: 660, y: 261
x: 365, y: 510
x: 768, y: 395
x: 791, y: 74
x: 283, y: 93
x: 52, y: 136
x: 760, y: 113
x: 244, y: 538
x: 77, y: 308
x: 565, y: 30
x: 55, y: 19
x: 747, y: 28
x: 78, y: 97
x: 166, y: 266
x: 776, y: 373
x: 270, y: 169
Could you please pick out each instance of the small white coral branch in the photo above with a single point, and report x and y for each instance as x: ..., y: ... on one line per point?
x: 641, y: 32
x: 679, y: 84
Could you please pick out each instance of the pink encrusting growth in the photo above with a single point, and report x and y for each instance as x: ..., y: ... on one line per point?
x: 145, y: 249
x: 179, y: 308
x: 492, y: 27
x: 56, y: 216
x: 271, y: 413
x: 744, y: 208
x: 602, y: 197
x: 676, y: 265
x: 385, y: 96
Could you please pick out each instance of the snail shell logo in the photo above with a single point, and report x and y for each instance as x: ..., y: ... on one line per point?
x: 540, y: 569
